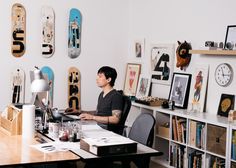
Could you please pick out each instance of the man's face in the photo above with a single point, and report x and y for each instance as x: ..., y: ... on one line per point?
x: 101, y: 80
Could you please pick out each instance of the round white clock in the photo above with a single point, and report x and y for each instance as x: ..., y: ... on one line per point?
x: 224, y: 74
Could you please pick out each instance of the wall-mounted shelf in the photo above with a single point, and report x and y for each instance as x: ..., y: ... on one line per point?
x: 213, y: 52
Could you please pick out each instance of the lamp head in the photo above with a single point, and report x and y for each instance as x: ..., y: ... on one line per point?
x: 39, y: 84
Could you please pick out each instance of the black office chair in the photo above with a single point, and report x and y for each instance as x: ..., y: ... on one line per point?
x: 119, y: 128
x: 142, y: 131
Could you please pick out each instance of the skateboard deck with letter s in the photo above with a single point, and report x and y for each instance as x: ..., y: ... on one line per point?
x: 74, y: 91
x: 74, y: 33
x: 18, y: 30
x: 17, y: 86
x: 48, y: 31
x: 49, y: 76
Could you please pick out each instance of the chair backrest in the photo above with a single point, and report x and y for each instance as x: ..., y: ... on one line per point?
x: 142, y: 129
x: 119, y: 128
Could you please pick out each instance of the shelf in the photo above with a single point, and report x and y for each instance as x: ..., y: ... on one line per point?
x: 214, y: 52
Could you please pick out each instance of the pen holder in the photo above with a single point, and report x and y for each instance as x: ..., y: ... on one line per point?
x: 11, y: 123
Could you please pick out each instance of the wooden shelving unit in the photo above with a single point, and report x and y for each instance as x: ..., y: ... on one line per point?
x: 214, y: 52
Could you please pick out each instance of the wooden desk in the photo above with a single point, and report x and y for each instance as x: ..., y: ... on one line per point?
x: 14, y: 151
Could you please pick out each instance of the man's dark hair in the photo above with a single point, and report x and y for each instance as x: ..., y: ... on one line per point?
x: 109, y: 72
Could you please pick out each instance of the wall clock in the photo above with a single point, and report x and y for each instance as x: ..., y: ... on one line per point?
x: 224, y: 74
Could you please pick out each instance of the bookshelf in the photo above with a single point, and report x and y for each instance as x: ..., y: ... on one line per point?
x: 189, y: 138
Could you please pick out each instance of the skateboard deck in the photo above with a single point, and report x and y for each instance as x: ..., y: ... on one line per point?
x: 74, y: 91
x: 74, y: 33
x: 18, y: 30
x: 48, y: 31
x: 49, y: 76
x: 18, y: 86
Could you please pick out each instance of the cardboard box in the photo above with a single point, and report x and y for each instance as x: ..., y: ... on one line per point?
x: 216, y: 139
x: 163, y: 131
x: 11, y: 124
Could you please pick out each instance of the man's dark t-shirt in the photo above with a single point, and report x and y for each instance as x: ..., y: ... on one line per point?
x: 112, y: 101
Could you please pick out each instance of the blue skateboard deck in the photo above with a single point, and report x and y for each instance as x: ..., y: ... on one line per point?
x: 74, y: 33
x: 18, y: 16
x: 74, y: 91
x: 49, y: 76
x: 48, y: 31
x: 18, y: 85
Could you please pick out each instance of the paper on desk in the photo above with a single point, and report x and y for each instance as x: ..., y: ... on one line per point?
x: 56, y: 146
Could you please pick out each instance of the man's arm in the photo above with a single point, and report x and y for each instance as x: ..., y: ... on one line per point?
x: 114, y: 119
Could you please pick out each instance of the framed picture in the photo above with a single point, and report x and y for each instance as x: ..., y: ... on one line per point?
x: 131, y: 79
x: 139, y: 48
x: 143, y: 86
x: 162, y: 63
x: 230, y: 38
x: 226, y: 104
x: 198, y: 88
x: 179, y: 91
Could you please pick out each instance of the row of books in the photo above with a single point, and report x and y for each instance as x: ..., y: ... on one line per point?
x: 179, y: 129
x: 215, y: 162
x: 197, y: 133
x: 196, y: 159
x: 177, y: 156
x: 233, y: 147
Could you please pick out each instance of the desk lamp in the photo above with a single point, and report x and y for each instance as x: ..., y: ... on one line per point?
x: 38, y: 85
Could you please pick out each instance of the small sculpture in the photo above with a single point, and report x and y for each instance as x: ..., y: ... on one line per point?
x: 183, y: 56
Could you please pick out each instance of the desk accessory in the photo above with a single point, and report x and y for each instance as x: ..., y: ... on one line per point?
x: 150, y: 101
x: 40, y: 85
x: 11, y: 120
x: 18, y: 17
x: 28, y: 121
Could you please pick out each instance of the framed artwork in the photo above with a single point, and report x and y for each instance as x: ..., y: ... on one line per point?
x: 143, y: 86
x: 179, y: 91
x: 226, y: 104
x: 198, y: 88
x: 162, y: 63
x: 139, y: 48
x: 131, y: 79
x: 230, y: 37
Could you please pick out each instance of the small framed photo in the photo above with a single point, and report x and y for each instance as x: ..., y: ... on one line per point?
x: 179, y: 91
x: 131, y: 79
x: 226, y: 104
x: 139, y: 48
x: 143, y: 86
x: 230, y: 38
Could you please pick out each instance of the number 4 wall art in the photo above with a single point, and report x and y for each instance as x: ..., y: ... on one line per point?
x: 162, y: 63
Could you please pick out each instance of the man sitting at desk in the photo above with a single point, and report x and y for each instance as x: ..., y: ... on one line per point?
x: 110, y: 102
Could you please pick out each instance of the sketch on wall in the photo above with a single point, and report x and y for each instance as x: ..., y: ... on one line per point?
x: 162, y: 62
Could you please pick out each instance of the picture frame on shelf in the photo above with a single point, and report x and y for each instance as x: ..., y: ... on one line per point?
x: 139, y: 46
x: 226, y: 104
x: 131, y: 79
x: 143, y: 86
x: 230, y: 37
x: 162, y: 63
x: 179, y: 91
x: 198, y: 88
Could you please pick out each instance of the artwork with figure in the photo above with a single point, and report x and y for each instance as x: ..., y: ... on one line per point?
x: 179, y: 89
x: 162, y: 57
x: 139, y: 48
x: 143, y: 86
x: 198, y: 88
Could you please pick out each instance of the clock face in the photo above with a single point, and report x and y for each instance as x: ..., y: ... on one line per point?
x: 223, y: 74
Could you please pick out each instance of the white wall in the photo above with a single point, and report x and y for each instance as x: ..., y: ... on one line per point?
x: 104, y: 42
x: 166, y: 21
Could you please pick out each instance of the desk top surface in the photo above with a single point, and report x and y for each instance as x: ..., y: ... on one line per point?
x: 15, y: 151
